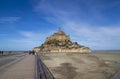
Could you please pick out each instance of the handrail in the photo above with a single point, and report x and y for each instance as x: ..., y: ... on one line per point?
x: 42, y: 72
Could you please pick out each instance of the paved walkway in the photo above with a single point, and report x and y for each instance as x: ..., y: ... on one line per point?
x: 24, y: 69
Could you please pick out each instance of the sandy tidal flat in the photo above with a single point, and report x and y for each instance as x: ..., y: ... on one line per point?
x: 78, y: 66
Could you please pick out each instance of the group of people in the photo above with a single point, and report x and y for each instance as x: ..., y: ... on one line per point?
x: 1, y: 52
x: 31, y: 52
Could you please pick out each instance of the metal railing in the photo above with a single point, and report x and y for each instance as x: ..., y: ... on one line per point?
x: 42, y: 72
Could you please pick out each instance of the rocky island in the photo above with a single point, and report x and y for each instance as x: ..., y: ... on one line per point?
x: 66, y: 65
x: 60, y: 42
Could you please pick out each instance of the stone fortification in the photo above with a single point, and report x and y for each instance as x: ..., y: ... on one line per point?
x: 60, y: 42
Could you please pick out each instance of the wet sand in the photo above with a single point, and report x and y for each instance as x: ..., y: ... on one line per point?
x: 82, y: 66
x: 112, y: 59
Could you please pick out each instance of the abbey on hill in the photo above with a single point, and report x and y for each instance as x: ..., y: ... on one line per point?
x: 60, y: 42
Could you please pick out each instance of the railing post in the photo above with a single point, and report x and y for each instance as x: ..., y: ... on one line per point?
x: 42, y: 71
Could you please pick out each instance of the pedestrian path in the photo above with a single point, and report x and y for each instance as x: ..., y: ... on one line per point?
x: 24, y: 69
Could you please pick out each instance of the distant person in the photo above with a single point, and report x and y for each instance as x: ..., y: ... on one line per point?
x: 33, y: 52
x: 30, y: 52
x: 10, y: 52
x: 2, y: 52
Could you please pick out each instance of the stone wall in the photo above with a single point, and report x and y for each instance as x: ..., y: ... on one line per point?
x: 71, y: 50
x: 65, y: 50
x: 58, y: 37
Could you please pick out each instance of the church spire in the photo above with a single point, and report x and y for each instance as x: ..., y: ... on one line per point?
x: 59, y: 29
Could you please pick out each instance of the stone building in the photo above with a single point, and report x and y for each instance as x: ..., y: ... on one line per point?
x: 60, y: 35
x: 60, y: 42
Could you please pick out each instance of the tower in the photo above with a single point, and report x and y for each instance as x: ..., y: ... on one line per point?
x: 59, y: 29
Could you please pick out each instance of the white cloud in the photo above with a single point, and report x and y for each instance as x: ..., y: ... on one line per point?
x: 9, y: 19
x: 27, y: 34
x: 29, y: 39
x: 97, y: 37
x: 77, y: 22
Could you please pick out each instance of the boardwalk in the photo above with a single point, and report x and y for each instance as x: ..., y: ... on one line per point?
x: 24, y: 69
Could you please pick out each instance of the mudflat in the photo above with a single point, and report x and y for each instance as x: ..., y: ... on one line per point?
x: 82, y: 66
x: 111, y: 59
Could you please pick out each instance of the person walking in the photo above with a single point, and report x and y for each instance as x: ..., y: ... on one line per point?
x: 33, y: 52
x: 2, y: 52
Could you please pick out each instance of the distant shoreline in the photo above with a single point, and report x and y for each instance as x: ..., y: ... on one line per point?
x: 105, y: 51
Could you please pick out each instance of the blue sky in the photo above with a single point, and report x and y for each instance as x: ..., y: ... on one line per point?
x: 25, y: 24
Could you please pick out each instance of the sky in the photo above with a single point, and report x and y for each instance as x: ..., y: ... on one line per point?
x: 25, y: 24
